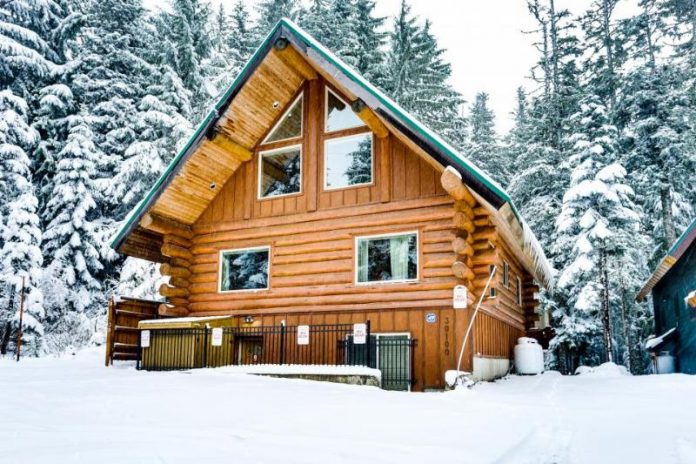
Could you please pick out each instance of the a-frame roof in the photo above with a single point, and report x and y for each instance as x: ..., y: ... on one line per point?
x: 676, y: 251
x: 270, y: 79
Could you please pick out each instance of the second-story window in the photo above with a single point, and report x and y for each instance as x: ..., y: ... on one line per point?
x: 280, y: 171
x: 348, y: 150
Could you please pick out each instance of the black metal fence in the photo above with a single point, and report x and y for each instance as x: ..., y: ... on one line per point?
x: 326, y: 344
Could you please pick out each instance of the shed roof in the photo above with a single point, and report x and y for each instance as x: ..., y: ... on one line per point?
x: 677, y: 250
x: 487, y: 191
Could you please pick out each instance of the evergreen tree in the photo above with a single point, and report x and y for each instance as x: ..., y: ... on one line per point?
x: 416, y: 77
x: 270, y: 12
x: 598, y: 223
x: 370, y: 38
x: 482, y: 144
x: 240, y: 38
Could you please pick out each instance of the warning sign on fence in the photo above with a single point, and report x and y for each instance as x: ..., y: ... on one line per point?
x: 145, y: 339
x: 359, y: 334
x: 303, y: 335
x: 217, y: 336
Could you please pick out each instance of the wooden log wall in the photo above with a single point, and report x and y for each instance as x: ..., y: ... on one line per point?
x: 123, y: 316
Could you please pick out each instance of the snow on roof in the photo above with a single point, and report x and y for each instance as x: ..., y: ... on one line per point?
x: 653, y: 343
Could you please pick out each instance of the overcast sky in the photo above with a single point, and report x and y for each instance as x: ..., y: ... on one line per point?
x: 484, y: 40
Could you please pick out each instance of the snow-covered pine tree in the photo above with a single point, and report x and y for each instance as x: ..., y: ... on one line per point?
x: 661, y: 122
x: 189, y: 38
x: 368, y: 29
x: 416, y: 76
x: 74, y: 237
x: 315, y: 19
x: 240, y: 40
x: 20, y: 235
x: 482, y: 145
x: 598, y: 224
x: 25, y: 60
x: 270, y: 12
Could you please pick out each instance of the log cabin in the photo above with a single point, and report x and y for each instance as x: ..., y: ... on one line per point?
x: 308, y: 196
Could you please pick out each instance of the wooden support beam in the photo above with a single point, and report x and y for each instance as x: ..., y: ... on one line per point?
x: 165, y: 226
x: 172, y: 311
x: 179, y: 282
x: 169, y: 291
x: 451, y: 181
x: 223, y: 142
x: 462, y: 271
x: 370, y: 119
x: 175, y: 251
x: 291, y: 57
x: 461, y: 221
x: 462, y: 247
x: 172, y: 271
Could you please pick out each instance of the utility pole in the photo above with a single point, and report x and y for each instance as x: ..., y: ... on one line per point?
x: 21, y: 316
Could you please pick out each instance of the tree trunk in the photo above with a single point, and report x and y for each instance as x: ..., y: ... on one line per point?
x: 667, y: 218
x: 607, y: 10
x: 606, y: 324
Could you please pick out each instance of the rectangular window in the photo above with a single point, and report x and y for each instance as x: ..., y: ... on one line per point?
x: 348, y: 161
x: 519, y: 291
x: 387, y: 258
x: 492, y: 293
x: 280, y: 172
x: 506, y: 274
x: 245, y: 269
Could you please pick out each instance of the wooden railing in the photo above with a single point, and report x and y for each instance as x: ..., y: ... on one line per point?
x: 123, y: 316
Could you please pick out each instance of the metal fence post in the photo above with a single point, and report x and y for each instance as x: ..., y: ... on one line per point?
x: 140, y: 351
x: 282, y: 342
x: 368, y: 356
x: 205, y: 346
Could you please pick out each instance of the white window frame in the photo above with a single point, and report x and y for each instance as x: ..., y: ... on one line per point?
x: 236, y: 250
x: 372, y: 160
x: 506, y: 274
x: 282, y: 118
x: 259, y: 175
x: 326, y: 112
x: 356, y: 255
x: 519, y: 291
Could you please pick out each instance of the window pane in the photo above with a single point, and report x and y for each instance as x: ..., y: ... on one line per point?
x: 339, y: 115
x: 348, y: 161
x: 290, y: 125
x: 244, y: 270
x: 280, y: 172
x: 388, y: 258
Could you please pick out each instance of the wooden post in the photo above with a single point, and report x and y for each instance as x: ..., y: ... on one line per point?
x: 21, y: 317
x: 109, y: 333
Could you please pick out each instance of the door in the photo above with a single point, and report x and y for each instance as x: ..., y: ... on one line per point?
x: 249, y: 350
x: 394, y: 361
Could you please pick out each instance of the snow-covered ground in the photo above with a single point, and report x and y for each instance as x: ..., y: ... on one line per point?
x: 73, y: 410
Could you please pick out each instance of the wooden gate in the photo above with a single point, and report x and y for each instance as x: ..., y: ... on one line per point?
x: 122, y: 326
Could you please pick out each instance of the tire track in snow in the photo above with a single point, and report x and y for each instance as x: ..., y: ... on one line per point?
x: 543, y: 444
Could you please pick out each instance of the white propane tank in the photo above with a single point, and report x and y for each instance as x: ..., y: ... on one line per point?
x: 665, y: 363
x: 529, y: 357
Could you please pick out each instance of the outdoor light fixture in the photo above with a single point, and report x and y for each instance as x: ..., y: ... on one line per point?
x: 248, y: 319
x: 276, y: 105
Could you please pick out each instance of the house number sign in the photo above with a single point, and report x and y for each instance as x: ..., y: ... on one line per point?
x: 303, y: 335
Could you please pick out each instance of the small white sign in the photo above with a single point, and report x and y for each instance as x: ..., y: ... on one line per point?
x: 217, y: 336
x: 359, y: 334
x: 303, y: 335
x: 145, y: 339
x: 460, y: 297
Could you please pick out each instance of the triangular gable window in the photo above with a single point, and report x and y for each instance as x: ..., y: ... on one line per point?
x: 290, y: 124
x: 339, y: 114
